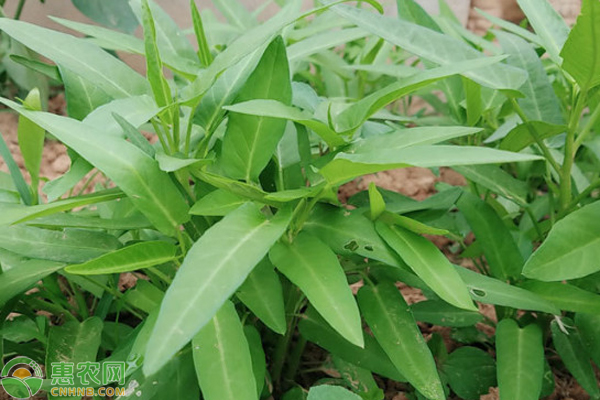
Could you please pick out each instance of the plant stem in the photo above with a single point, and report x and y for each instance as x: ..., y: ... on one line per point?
x: 588, y: 127
x: 53, y: 308
x: 19, y: 9
x: 536, y: 137
x: 569, y: 155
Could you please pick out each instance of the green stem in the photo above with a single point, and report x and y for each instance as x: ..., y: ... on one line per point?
x: 19, y: 9
x: 536, y: 137
x: 294, y: 359
x: 569, y: 155
x: 159, y: 133
x: 582, y: 196
x: 588, y: 127
x: 50, y: 307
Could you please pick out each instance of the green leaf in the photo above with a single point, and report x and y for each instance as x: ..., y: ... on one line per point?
x: 346, y: 166
x: 74, y: 342
x: 216, y: 265
x: 376, y: 202
x: 235, y: 13
x: 135, y: 110
x: 85, y: 59
x: 15, y: 173
x: 433, y: 46
x: 581, y: 51
x: 520, y: 136
x: 204, y: 54
x: 588, y: 326
x: 520, y: 355
x: 443, y: 314
x: 411, y: 225
x: 31, y: 139
x: 18, y: 213
x: 564, y: 296
x: 312, y: 266
x: 319, y: 42
x: 497, y: 180
x: 358, y: 379
x: 69, y: 245
x: 115, y: 14
x: 276, y: 109
x: 512, y: 28
x: 130, y: 258
x: 210, y: 112
x: 355, y: 115
x: 428, y: 263
x: 134, y: 135
x: 22, y: 277
x: 171, y: 41
x: 262, y: 293
x: 327, y: 392
x: 51, y: 71
x: 154, y: 66
x: 412, y: 11
x: 394, y: 327
x: 470, y: 372
x: 576, y: 358
x: 257, y: 353
x: 493, y: 291
x: 372, y: 357
x: 548, y: 24
x: 250, y: 141
x: 499, y: 247
x: 222, y: 358
x: 217, y: 203
x: 349, y: 233
x: 82, y: 95
x: 540, y: 102
x: 571, y: 250
x: 150, y: 189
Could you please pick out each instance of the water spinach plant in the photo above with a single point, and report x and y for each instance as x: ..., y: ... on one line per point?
x: 228, y: 216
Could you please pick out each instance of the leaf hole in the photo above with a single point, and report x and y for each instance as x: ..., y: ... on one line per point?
x: 351, y: 245
x: 478, y: 292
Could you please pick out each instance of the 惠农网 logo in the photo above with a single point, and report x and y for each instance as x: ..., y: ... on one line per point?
x: 21, y: 378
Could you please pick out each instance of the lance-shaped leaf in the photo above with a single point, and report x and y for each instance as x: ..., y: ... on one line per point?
x: 566, y: 297
x: 571, y: 250
x: 347, y: 166
x: 550, y: 27
x: 250, y: 140
x: 69, y: 245
x: 355, y: 115
x: 372, y: 357
x: 432, y: 46
x: 263, y: 295
x: 428, y: 263
x: 74, y: 342
x: 31, y: 139
x: 312, y: 266
x: 222, y: 358
x: 328, y: 392
x: 216, y: 265
x: 133, y: 171
x: 130, y: 258
x: 520, y: 357
x: 154, y: 67
x: 588, y: 325
x: 499, y: 247
x: 520, y: 136
x: 276, y: 109
x: 22, y: 277
x: 494, y: 178
x: 576, y: 358
x: 18, y: 213
x: 493, y: 291
x: 581, y: 52
x: 441, y: 313
x: 540, y: 102
x: 80, y: 57
x: 394, y: 327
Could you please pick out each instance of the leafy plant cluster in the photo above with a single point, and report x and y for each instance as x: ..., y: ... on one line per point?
x: 231, y: 222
